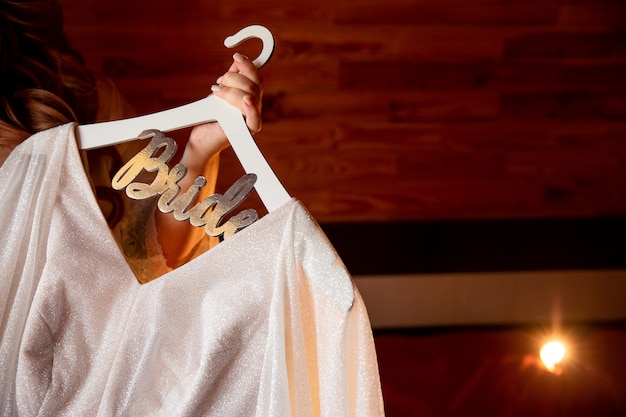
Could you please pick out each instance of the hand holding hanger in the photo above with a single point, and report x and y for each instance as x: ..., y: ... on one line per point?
x: 240, y: 86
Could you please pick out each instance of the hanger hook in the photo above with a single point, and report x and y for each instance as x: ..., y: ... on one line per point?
x: 254, y: 31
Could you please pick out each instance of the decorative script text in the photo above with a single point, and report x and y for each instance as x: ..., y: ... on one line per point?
x: 208, y: 213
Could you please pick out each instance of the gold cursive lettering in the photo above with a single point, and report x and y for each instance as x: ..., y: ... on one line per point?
x: 145, y: 160
x: 210, y: 212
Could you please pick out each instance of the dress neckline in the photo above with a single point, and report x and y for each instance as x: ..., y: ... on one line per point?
x: 86, y: 190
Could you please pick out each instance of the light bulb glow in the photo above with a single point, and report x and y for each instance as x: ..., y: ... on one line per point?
x: 552, y: 353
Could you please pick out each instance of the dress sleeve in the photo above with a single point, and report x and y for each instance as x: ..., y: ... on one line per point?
x: 35, y: 367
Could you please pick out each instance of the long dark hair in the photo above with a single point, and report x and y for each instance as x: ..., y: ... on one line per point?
x: 43, y: 81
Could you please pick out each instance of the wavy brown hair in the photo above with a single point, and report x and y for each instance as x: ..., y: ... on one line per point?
x: 43, y: 81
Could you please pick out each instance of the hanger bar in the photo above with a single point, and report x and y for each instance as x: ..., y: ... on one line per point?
x: 97, y: 135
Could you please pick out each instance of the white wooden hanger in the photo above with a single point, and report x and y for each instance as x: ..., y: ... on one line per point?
x: 209, y: 109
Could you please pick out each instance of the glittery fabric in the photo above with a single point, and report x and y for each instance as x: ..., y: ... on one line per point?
x: 267, y: 323
x: 136, y: 236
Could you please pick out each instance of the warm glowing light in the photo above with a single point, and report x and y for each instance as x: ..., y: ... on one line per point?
x: 551, y: 354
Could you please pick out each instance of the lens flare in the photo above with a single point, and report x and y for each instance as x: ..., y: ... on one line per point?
x: 552, y: 353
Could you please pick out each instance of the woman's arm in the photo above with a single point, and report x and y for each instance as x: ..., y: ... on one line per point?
x: 241, y: 87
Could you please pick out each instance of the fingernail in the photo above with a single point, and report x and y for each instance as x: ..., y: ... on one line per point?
x: 216, y: 87
x: 248, y: 100
x: 239, y: 57
x: 219, y: 81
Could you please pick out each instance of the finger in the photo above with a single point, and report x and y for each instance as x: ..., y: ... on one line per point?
x: 235, y: 96
x: 244, y: 66
x: 240, y: 82
x: 248, y: 104
x: 252, y: 113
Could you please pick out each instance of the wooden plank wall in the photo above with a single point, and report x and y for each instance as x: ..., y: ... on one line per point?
x: 400, y: 110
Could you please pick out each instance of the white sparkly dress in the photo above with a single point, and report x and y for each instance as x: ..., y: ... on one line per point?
x: 267, y: 323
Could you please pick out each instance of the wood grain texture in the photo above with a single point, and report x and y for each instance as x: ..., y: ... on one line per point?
x: 400, y: 109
